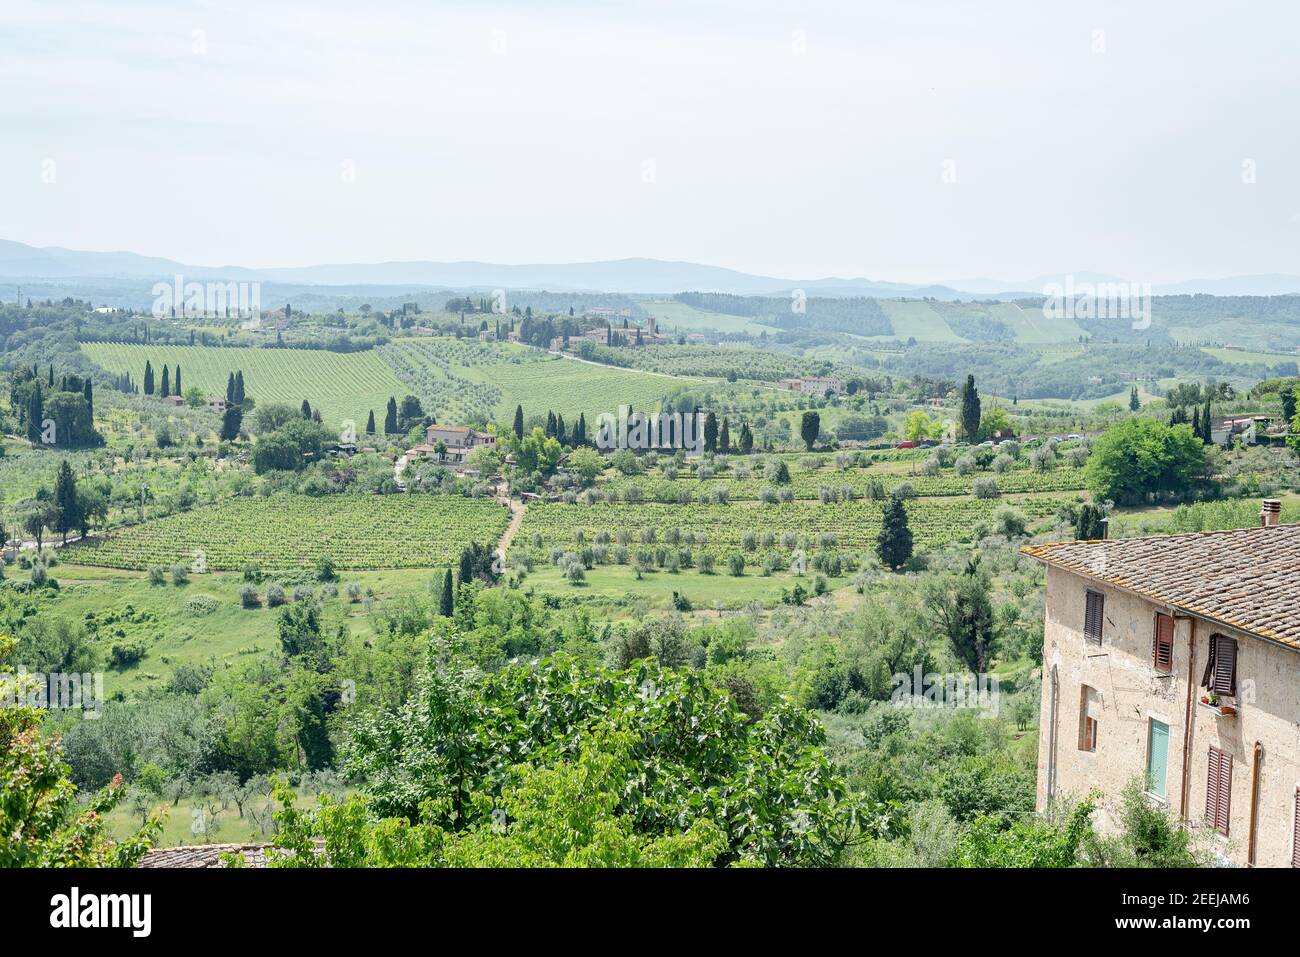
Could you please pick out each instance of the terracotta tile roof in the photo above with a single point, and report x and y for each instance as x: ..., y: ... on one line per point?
x: 204, y: 855
x: 209, y: 855
x: 1247, y: 578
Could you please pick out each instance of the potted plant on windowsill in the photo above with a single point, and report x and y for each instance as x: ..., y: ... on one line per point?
x: 1213, y: 702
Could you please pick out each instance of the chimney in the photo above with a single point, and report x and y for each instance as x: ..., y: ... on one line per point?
x: 1270, y: 513
x: 1105, y: 529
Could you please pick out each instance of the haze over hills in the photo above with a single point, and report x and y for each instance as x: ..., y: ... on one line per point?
x: 636, y: 275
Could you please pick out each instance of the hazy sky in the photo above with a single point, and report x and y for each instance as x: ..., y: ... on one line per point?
x: 792, y: 139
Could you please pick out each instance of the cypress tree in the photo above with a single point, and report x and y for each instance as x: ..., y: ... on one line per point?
x: 1288, y: 404
x: 66, y: 502
x: 148, y: 377
x: 519, y: 421
x: 306, y: 409
x: 176, y: 385
x: 559, y: 430
x: 710, y: 433
x: 370, y: 423
x: 231, y: 422
x: 1133, y: 403
x: 724, y: 437
x: 390, y: 417
x: 239, y: 387
x: 90, y: 401
x: 35, y: 413
x: 894, y: 544
x: 1207, y: 423
x: 447, y: 601
x: 970, y: 410
x: 230, y: 389
x: 580, y: 431
x: 166, y: 384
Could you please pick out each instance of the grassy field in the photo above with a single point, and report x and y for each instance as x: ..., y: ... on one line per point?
x: 919, y: 320
x: 1031, y: 327
x: 341, y: 385
x: 488, y: 381
x: 678, y: 315
x: 1243, y: 357
x: 123, y: 607
x: 294, y: 531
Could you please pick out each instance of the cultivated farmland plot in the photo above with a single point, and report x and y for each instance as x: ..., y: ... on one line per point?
x: 853, y: 525
x: 808, y: 483
x: 293, y: 531
x: 469, y: 380
x: 342, y: 385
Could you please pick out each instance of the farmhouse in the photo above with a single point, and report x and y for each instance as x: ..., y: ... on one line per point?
x: 1175, y: 661
x: 458, y: 441
x: 813, y: 385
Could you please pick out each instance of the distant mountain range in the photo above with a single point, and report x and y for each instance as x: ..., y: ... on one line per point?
x: 645, y: 276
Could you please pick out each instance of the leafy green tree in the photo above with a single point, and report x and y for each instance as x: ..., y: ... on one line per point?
x: 41, y: 818
x: 962, y: 612
x: 1031, y: 842
x: 894, y: 543
x: 444, y: 758
x: 1140, y: 457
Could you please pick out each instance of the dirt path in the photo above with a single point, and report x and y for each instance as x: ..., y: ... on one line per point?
x: 517, y: 510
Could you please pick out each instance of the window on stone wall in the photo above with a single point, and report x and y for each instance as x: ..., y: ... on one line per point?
x: 1089, y: 713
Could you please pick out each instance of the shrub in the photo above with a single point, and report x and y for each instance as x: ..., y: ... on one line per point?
x: 985, y: 487
x: 248, y: 596
x: 200, y: 605
x: 157, y: 575
x: 180, y: 574
x: 274, y: 595
x: 736, y: 564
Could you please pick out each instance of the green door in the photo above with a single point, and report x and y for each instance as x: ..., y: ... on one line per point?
x: 1157, y: 757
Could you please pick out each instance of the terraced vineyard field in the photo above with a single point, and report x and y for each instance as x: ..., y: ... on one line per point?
x: 293, y: 531
x: 467, y: 380
x: 343, y: 385
x: 719, y: 529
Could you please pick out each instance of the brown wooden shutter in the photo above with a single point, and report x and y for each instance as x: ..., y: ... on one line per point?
x: 1295, y: 834
x: 1162, y: 643
x: 1209, y: 663
x: 1095, y: 605
x: 1218, y: 790
x: 1225, y: 666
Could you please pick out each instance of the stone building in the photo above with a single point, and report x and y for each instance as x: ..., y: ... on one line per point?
x: 1175, y: 660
